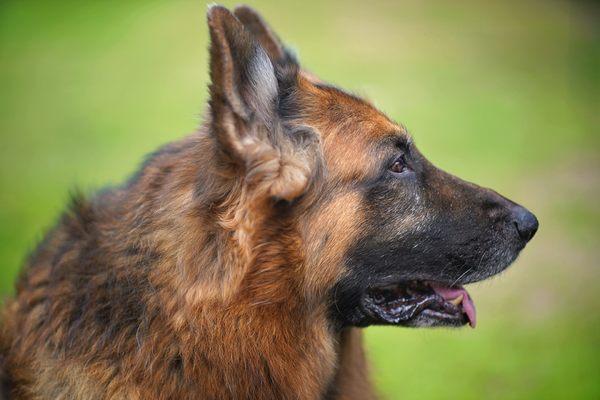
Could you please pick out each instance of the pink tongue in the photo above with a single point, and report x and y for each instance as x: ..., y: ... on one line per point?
x: 468, y: 307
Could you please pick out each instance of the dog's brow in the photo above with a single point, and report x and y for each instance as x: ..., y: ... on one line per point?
x: 398, y: 138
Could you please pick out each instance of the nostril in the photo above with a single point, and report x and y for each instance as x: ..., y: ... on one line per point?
x: 525, y: 222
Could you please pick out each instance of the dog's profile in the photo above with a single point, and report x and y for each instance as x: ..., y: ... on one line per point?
x: 242, y: 261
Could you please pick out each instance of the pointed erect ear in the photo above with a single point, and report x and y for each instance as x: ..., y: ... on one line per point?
x: 274, y: 159
x: 262, y: 32
x: 242, y: 75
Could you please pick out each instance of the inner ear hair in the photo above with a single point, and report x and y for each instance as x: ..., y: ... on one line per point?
x: 243, y: 89
x: 246, y: 95
x: 241, y: 71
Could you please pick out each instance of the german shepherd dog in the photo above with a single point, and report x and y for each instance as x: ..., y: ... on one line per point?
x: 242, y: 261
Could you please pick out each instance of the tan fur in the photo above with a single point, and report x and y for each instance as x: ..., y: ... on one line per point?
x: 188, y: 282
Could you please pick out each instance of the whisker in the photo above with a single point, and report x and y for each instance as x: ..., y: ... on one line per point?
x: 461, y: 275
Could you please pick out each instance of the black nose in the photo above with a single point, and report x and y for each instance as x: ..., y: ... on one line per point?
x: 525, y: 222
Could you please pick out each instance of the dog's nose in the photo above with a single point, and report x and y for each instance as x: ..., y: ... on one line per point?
x: 525, y: 222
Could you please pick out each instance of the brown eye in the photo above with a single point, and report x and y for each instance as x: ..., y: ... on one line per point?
x: 399, y: 165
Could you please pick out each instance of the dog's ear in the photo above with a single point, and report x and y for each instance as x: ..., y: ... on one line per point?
x: 246, y: 93
x: 267, y: 38
x: 242, y: 76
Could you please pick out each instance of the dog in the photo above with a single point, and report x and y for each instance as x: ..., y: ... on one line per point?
x: 243, y: 261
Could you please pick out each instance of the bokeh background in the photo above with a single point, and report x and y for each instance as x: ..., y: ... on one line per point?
x: 503, y: 93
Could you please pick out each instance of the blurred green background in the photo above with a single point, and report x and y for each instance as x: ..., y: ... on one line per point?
x: 504, y: 93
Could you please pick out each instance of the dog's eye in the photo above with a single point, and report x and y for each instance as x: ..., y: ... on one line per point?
x: 399, y: 165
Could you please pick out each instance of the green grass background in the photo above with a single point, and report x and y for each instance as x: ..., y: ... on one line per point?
x: 504, y: 93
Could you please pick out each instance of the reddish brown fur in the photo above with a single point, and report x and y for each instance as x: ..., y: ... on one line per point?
x: 189, y: 282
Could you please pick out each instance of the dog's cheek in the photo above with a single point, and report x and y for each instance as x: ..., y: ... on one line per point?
x: 328, y: 232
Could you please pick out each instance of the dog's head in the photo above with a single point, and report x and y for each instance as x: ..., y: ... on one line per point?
x: 379, y: 232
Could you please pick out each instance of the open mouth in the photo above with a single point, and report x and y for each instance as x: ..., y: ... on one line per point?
x: 420, y: 303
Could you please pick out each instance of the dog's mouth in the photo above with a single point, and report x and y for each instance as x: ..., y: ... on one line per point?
x: 419, y: 303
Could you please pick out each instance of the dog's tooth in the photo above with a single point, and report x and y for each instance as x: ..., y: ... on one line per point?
x: 457, y: 300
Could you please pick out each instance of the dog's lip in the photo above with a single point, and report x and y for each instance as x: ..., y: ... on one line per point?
x: 405, y: 301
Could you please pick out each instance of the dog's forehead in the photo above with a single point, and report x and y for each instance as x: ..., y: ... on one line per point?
x: 333, y: 108
x: 352, y: 129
